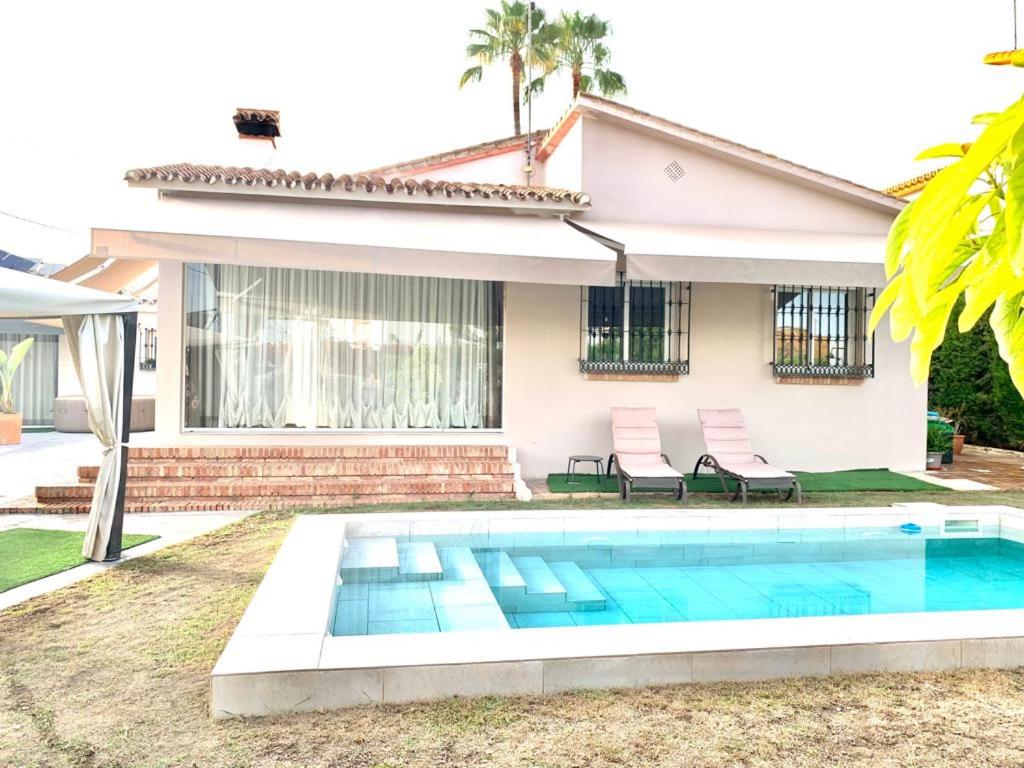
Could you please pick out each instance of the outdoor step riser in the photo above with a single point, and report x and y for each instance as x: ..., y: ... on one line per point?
x: 540, y: 604
x: 305, y: 453
x: 243, y: 489
x: 279, y: 469
x: 370, y: 575
x: 213, y: 504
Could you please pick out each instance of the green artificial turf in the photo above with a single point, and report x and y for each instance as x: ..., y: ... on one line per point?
x: 849, y: 480
x: 27, y: 554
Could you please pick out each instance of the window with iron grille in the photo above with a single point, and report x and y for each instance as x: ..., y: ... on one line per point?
x: 145, y: 349
x: 823, y: 331
x: 636, y: 326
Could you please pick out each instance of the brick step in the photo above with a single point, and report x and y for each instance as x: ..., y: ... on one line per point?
x: 214, y: 503
x: 305, y: 452
x: 281, y: 468
x: 288, y: 487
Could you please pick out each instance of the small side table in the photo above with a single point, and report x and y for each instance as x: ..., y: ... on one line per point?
x: 574, y: 460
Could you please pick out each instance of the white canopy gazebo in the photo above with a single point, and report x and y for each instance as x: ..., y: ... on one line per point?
x: 100, y: 328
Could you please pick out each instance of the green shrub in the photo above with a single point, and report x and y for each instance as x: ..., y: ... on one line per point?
x: 967, y: 370
x: 940, y: 437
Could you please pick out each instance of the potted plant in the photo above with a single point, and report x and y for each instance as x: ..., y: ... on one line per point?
x: 939, y: 440
x: 10, y: 422
x: 955, y: 417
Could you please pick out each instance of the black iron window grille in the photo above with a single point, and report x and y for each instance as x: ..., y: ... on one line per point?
x: 146, y: 349
x: 636, y: 326
x: 823, y: 331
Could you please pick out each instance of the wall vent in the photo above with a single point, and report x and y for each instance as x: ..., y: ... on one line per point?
x: 674, y: 171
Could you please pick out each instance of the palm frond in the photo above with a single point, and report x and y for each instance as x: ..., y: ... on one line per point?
x: 471, y: 75
x: 533, y: 88
x: 482, y: 51
x: 610, y: 83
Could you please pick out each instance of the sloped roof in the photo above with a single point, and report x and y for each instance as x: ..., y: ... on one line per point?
x: 196, y: 177
x: 598, y: 105
x: 457, y: 156
x: 908, y: 187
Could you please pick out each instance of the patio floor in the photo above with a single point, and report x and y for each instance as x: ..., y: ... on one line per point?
x: 1004, y: 471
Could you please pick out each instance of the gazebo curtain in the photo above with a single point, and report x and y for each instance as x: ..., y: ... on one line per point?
x: 96, y: 343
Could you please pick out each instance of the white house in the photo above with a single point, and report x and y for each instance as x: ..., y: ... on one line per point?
x: 640, y: 263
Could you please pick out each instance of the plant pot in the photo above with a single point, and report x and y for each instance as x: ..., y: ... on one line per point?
x: 958, y: 443
x: 947, y: 457
x: 934, y: 461
x: 10, y: 428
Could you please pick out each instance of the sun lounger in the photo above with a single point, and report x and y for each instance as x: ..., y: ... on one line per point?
x: 638, y: 457
x: 730, y: 455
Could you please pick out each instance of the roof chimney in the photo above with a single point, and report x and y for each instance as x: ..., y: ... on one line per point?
x: 258, y: 124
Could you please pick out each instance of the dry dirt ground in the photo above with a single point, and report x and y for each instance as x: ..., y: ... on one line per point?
x: 114, y: 671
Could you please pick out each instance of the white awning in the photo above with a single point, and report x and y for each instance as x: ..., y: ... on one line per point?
x: 350, y: 238
x: 30, y: 296
x: 733, y: 255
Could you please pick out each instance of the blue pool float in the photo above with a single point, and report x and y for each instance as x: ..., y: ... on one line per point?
x: 910, y: 528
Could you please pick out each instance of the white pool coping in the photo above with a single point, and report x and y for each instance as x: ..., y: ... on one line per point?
x: 282, y: 659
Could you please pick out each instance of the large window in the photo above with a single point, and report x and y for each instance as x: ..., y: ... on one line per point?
x: 289, y: 348
x: 822, y: 331
x: 635, y: 327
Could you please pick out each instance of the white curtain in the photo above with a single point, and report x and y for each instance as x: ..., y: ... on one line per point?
x: 96, y: 343
x: 277, y: 348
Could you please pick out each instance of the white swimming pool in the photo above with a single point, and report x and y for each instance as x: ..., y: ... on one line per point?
x: 380, y: 607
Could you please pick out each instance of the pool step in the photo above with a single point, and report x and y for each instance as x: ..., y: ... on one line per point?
x: 370, y: 559
x: 580, y: 592
x: 463, y: 598
x: 543, y: 592
x: 459, y: 564
x: 418, y: 561
x: 501, y: 574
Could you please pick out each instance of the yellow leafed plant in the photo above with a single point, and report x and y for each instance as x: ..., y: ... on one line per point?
x: 963, y: 235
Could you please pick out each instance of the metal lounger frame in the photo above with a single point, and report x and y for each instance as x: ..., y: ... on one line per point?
x: 626, y: 481
x: 745, y: 484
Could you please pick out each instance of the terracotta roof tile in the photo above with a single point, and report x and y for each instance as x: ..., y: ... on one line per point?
x: 910, y: 186
x: 258, y: 115
x: 212, y: 175
x: 460, y: 155
x: 1002, y: 58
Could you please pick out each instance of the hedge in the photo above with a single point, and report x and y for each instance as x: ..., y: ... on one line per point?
x: 967, y: 370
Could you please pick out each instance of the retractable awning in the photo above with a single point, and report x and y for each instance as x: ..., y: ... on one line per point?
x: 734, y: 255
x: 353, y: 238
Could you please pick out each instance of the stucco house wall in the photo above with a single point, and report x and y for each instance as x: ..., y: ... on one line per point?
x: 623, y: 171
x: 552, y: 411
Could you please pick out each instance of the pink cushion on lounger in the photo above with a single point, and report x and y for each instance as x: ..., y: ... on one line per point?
x: 726, y: 438
x: 752, y: 470
x: 637, y: 443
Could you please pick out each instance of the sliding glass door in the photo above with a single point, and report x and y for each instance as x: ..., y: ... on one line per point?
x: 286, y: 348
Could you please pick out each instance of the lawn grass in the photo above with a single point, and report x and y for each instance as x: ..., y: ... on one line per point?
x: 859, y: 480
x: 27, y: 554
x: 114, y: 671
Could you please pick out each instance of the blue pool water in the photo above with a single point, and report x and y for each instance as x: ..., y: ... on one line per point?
x: 452, y: 584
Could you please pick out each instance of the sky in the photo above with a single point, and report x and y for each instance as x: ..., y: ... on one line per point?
x: 91, y: 89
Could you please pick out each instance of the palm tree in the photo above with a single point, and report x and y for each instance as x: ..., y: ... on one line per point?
x: 579, y: 48
x: 504, y: 37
